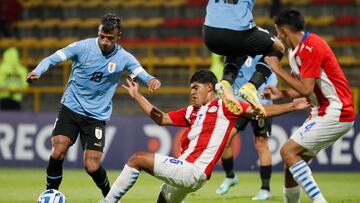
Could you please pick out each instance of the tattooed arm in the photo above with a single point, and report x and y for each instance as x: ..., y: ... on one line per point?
x: 154, y: 113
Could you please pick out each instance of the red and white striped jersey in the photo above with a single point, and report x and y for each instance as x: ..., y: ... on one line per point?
x: 208, y: 128
x: 331, y: 97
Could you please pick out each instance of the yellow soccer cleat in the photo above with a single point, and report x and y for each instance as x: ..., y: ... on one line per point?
x: 224, y: 91
x: 249, y: 93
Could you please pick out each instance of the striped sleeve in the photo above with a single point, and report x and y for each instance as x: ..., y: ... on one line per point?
x: 178, y: 117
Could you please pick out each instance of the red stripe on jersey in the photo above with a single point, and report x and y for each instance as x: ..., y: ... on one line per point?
x: 184, y: 141
x: 322, y: 100
x: 184, y: 138
x: 218, y: 154
x: 204, y: 137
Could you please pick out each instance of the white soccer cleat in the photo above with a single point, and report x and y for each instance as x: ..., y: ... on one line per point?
x: 106, y: 201
x: 263, y: 195
x: 226, y: 185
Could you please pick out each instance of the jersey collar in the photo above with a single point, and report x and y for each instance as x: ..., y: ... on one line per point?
x: 112, y: 53
x: 305, y: 36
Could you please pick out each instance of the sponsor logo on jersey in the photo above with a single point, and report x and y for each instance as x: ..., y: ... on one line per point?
x: 98, y: 132
x: 111, y: 67
x: 212, y: 109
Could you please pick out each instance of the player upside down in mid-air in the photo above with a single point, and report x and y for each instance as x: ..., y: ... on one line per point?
x: 230, y: 30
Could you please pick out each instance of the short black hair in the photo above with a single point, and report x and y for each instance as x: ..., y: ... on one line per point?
x: 110, y: 22
x: 204, y: 76
x: 292, y: 18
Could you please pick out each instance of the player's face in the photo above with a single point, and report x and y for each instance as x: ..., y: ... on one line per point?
x: 282, y: 35
x: 199, y: 93
x: 107, y: 40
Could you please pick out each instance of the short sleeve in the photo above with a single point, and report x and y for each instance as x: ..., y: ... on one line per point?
x: 136, y: 70
x: 178, y: 117
x: 311, y: 58
x: 132, y: 63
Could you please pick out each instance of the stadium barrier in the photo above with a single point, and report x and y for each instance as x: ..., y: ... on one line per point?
x: 25, y: 142
x: 37, y: 91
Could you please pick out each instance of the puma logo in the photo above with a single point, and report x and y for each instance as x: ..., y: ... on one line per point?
x: 309, y: 48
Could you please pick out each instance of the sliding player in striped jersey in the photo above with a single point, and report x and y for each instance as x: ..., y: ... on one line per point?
x: 208, y: 124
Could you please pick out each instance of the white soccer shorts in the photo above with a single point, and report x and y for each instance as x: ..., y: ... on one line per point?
x: 180, y: 177
x: 319, y: 133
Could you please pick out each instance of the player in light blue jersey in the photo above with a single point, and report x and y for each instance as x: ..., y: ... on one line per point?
x: 230, y: 30
x: 86, y: 103
x: 261, y: 129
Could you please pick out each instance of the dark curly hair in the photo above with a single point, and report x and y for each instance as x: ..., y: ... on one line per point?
x: 110, y: 22
x: 204, y: 76
x: 292, y: 18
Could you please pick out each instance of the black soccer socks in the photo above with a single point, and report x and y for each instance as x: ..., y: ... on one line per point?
x: 101, y: 180
x: 54, y: 173
x: 228, y: 165
x: 265, y: 174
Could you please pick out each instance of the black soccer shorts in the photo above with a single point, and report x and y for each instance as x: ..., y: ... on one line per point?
x: 225, y: 42
x: 261, y: 127
x: 71, y: 124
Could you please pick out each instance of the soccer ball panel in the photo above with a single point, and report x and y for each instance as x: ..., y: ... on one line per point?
x: 51, y: 196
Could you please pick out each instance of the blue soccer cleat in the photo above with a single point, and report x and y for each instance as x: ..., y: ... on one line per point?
x: 226, y: 185
x: 263, y: 195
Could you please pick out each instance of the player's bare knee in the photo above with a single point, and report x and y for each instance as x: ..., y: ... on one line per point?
x: 91, y: 164
x: 136, y: 159
x: 260, y: 144
x: 285, y: 153
x: 57, y: 154
x: 91, y: 167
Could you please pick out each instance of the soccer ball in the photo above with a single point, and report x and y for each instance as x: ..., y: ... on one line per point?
x: 51, y: 196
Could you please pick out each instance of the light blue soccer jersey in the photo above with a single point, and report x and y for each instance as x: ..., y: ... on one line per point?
x: 244, y: 75
x: 94, y: 77
x: 234, y: 16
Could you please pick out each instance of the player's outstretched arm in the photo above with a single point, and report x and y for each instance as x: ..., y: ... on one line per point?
x: 31, y: 77
x: 45, y: 64
x: 272, y: 110
x: 154, y: 84
x: 272, y: 93
x: 154, y: 113
x: 298, y: 104
x: 304, y: 87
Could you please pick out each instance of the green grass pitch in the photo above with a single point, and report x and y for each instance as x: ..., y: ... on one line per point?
x: 24, y: 185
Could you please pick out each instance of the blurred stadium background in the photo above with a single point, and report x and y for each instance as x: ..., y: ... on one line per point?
x: 165, y: 36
